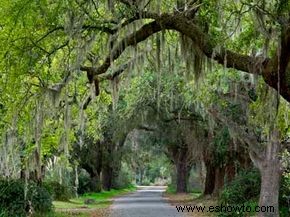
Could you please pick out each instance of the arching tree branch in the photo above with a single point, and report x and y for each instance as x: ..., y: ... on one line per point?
x: 179, y: 22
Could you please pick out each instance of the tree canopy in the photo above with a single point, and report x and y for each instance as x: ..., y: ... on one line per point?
x: 103, y: 86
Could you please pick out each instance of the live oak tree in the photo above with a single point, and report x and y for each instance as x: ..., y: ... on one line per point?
x: 187, y: 20
x: 45, y: 47
x: 175, y: 125
x: 274, y: 68
x: 263, y: 131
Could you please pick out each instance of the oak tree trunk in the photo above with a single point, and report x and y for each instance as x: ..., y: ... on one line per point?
x: 209, y: 179
x: 116, y: 168
x: 107, y: 178
x: 269, y: 194
x: 183, y: 164
x: 95, y: 183
x: 230, y: 172
x: 270, y: 167
x: 182, y: 172
x: 219, y: 180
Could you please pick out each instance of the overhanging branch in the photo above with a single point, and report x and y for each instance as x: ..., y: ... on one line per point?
x: 179, y: 22
x: 146, y: 31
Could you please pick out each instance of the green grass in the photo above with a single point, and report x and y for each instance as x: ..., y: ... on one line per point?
x: 77, y: 208
x: 107, y: 194
x: 66, y: 214
x: 102, y: 200
x: 171, y: 189
x: 59, y: 214
x: 195, y: 192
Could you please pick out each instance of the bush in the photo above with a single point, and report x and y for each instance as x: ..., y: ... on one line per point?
x: 40, y: 198
x: 84, y: 182
x: 284, y: 200
x: 251, y: 204
x: 245, y: 187
x: 243, y: 190
x: 12, y: 198
x: 58, y: 191
x: 171, y: 188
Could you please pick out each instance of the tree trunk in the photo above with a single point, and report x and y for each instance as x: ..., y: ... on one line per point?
x: 209, y: 179
x: 270, y: 167
x: 219, y: 180
x: 107, y: 178
x: 183, y: 164
x: 95, y: 183
x: 182, y: 172
x: 141, y: 176
x: 269, y: 194
x: 230, y: 167
x: 116, y: 168
x: 107, y: 169
x: 230, y: 171
x: 244, y: 158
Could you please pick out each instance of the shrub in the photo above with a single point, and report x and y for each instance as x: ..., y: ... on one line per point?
x: 58, y: 191
x: 171, y: 188
x: 243, y: 190
x: 3, y: 213
x: 251, y: 204
x: 285, y: 190
x: 12, y: 199
x: 40, y: 198
x: 284, y: 200
x: 84, y: 182
x: 245, y: 187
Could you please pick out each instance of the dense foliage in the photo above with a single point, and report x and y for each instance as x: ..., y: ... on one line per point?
x: 59, y: 191
x: 17, y: 199
x: 96, y: 95
x: 244, y: 188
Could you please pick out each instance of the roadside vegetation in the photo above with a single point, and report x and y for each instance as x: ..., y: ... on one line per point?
x: 97, y: 96
x: 90, y: 203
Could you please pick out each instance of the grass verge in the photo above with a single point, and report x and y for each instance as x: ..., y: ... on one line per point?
x: 98, y: 206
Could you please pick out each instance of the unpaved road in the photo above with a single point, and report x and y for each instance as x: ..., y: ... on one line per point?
x: 146, y: 202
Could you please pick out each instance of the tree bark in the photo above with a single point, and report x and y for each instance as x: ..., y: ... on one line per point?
x: 116, y: 168
x: 269, y: 194
x: 107, y: 177
x: 219, y: 180
x: 244, y: 158
x: 181, y: 156
x: 140, y: 176
x: 182, y: 172
x: 209, y: 179
x: 95, y: 182
x: 230, y: 167
x: 230, y: 171
x: 270, y: 167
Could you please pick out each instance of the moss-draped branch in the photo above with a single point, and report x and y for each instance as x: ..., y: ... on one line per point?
x: 275, y: 71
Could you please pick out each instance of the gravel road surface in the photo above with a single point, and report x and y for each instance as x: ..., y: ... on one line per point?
x: 146, y: 202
